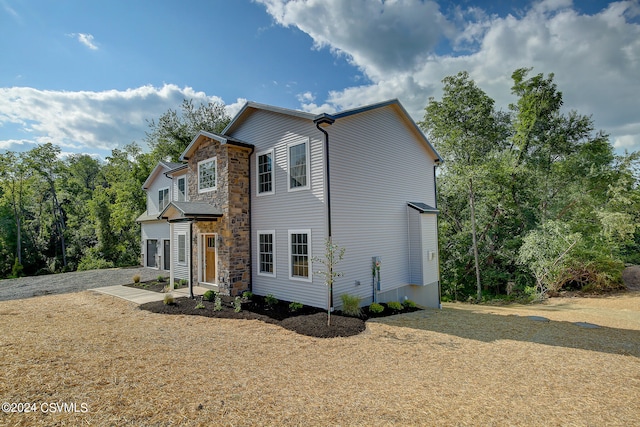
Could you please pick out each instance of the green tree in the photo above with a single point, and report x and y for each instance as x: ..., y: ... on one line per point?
x: 170, y: 135
x: 44, y: 161
x: 13, y: 175
x: 468, y: 133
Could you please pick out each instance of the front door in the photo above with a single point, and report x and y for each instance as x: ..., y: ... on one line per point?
x: 151, y: 253
x: 209, y: 258
x: 166, y: 257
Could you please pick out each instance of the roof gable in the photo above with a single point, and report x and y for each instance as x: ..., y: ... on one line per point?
x: 161, y: 167
x: 251, y: 107
x: 203, y: 135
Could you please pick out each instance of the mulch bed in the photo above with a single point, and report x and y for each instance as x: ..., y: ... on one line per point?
x: 154, y: 285
x: 310, y: 321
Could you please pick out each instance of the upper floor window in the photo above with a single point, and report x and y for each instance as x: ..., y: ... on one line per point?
x: 265, y: 173
x: 163, y: 199
x: 182, y: 189
x: 298, y: 169
x: 207, y: 172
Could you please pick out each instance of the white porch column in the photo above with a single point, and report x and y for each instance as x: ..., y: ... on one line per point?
x: 171, y: 269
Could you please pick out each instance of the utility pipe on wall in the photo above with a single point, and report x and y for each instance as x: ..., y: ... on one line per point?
x: 325, y: 119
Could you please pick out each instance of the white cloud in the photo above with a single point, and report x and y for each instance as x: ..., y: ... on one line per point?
x: 368, y: 32
x: 87, y: 121
x: 595, y: 58
x: 85, y: 39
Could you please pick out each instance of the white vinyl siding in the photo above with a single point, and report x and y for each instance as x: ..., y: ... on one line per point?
x: 285, y: 210
x: 181, y: 269
x: 298, y: 165
x: 266, y: 253
x: 369, y: 208
x: 265, y: 183
x: 157, y: 190
x: 207, y: 175
x: 300, y: 255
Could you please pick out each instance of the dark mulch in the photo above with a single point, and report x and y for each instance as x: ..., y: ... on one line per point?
x: 310, y: 321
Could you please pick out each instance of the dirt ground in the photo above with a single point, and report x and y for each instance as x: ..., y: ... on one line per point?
x: 462, y: 365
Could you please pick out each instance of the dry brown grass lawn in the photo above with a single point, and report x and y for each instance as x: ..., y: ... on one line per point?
x: 463, y: 365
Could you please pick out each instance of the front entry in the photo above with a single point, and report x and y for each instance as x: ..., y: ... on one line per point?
x: 208, y: 252
x: 152, y: 248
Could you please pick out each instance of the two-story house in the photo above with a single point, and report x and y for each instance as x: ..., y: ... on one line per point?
x: 155, y: 243
x: 260, y: 200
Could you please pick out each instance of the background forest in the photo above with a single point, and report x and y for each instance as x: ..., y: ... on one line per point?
x: 532, y: 200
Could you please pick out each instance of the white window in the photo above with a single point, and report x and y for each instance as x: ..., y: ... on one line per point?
x: 266, y: 253
x: 163, y: 198
x: 182, y: 188
x: 182, y: 249
x: 207, y: 172
x: 264, y: 166
x: 300, y: 255
x: 298, y: 169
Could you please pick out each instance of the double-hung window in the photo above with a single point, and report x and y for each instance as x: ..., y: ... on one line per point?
x: 300, y: 255
x: 182, y: 248
x: 207, y: 172
x: 163, y: 199
x: 266, y: 253
x: 298, y: 165
x: 182, y: 188
x: 265, y: 173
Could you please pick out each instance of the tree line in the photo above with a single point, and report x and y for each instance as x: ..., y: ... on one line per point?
x: 532, y: 200
x: 77, y: 212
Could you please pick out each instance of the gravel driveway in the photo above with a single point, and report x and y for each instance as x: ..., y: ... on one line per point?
x: 27, y: 287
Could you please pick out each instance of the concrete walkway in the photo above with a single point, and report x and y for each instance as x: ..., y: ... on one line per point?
x: 141, y: 296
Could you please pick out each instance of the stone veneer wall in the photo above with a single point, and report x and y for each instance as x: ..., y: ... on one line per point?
x: 233, y: 229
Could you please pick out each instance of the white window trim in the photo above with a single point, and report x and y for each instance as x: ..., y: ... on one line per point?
x: 273, y: 173
x: 167, y: 201
x: 308, y: 279
x: 185, y: 249
x: 273, y: 234
x: 215, y: 183
x: 186, y: 192
x: 293, y: 144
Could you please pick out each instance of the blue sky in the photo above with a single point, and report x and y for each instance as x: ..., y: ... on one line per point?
x: 86, y: 75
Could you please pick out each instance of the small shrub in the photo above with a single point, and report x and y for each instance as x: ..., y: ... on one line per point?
x: 247, y: 295
x: 295, y: 306
x: 166, y: 289
x: 169, y: 300
x: 376, y: 308
x: 351, y: 305
x: 271, y: 300
x: 16, y: 270
x: 209, y: 295
x: 237, y: 305
x: 183, y: 282
x: 89, y: 262
x: 160, y: 278
x: 176, y: 285
x: 217, y: 304
x: 409, y: 304
x: 136, y: 278
x: 394, y: 305
x: 200, y: 305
